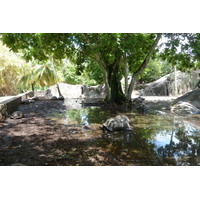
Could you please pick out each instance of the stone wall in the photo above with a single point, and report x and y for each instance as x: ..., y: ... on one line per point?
x: 67, y: 90
x: 43, y: 94
x: 9, y: 105
x: 93, y: 92
x: 74, y: 91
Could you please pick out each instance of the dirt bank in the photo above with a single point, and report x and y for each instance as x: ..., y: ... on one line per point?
x: 38, y: 141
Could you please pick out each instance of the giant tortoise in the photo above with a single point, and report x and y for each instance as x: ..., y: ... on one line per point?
x: 118, y: 123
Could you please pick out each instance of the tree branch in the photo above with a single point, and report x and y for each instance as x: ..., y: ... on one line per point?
x: 101, y: 65
x: 143, y: 65
x: 147, y: 58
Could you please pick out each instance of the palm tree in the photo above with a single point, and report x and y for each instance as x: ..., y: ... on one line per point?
x: 55, y: 77
x: 28, y: 79
x: 42, y: 75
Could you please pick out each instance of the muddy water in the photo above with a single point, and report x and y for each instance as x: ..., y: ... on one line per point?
x: 159, y: 139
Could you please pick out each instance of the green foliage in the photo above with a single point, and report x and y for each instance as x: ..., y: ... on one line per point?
x: 38, y: 45
x: 92, y: 55
x: 89, y: 75
x: 181, y: 49
x: 35, y: 76
x: 70, y: 75
x: 155, y: 70
x: 27, y: 79
x: 11, y: 67
x: 44, y: 75
x: 92, y: 74
x: 111, y: 46
x: 136, y: 47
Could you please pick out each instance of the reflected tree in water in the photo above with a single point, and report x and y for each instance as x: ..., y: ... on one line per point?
x: 185, y: 151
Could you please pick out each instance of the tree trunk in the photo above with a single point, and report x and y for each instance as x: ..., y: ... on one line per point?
x: 63, y: 72
x: 102, y: 66
x: 32, y: 86
x: 131, y: 87
x: 55, y: 76
x: 105, y: 77
x: 175, y: 81
x: 117, y: 95
x: 126, y: 76
x: 142, y: 66
x: 112, y: 82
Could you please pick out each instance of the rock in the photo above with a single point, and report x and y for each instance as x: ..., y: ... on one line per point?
x: 73, y: 103
x: 67, y: 90
x: 18, y: 164
x: 2, y: 118
x: 42, y: 95
x: 17, y: 115
x: 35, y: 98
x: 142, y: 108
x: 139, y: 105
x: 25, y: 101
x: 158, y: 112
x: 57, y: 98
x: 183, y: 108
x: 72, y: 91
x: 119, y: 123
x: 138, y: 100
x: 31, y: 101
x: 53, y: 98
x: 165, y: 85
x: 48, y: 93
x: 192, y: 97
x: 85, y: 127
x: 61, y: 98
x: 93, y: 92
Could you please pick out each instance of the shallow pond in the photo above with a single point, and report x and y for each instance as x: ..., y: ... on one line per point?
x: 156, y: 139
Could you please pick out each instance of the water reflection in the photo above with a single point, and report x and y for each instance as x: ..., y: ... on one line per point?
x: 155, y: 139
x: 183, y: 146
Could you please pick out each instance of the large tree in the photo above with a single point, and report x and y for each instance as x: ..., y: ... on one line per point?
x: 107, y: 50
x: 114, y: 53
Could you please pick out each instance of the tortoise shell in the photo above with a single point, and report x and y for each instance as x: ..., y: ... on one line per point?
x: 119, y: 123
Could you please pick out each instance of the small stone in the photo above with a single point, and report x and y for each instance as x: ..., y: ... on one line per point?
x: 35, y: 98
x: 183, y: 108
x: 18, y: 164
x: 31, y: 101
x: 2, y: 118
x: 17, y: 115
x: 61, y: 98
x: 25, y: 101
x: 53, y: 98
